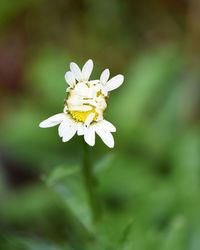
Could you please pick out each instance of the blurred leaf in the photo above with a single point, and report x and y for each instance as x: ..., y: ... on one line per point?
x: 41, y: 211
x: 60, y: 172
x: 175, y: 238
x: 10, y: 242
x: 104, y: 163
x: 145, y: 85
x: 123, y: 244
x: 72, y: 191
x: 163, y: 127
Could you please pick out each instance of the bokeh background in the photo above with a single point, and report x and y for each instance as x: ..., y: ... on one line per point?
x: 149, y: 184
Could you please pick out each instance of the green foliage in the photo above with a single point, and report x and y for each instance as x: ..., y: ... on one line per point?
x: 60, y: 172
x: 148, y: 185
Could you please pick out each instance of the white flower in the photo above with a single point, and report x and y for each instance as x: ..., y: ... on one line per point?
x: 85, y: 106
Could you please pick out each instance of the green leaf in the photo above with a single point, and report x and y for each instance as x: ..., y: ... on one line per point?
x: 60, y: 172
x: 176, y: 236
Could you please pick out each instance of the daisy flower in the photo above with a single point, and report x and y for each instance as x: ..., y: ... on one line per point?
x: 85, y: 105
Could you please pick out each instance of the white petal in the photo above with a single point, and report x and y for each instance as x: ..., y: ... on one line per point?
x: 87, y: 70
x: 81, y: 89
x: 68, y: 89
x: 91, y: 102
x: 85, y: 108
x: 63, y: 125
x: 69, y: 130
x: 76, y: 71
x: 61, y: 129
x: 80, y: 129
x: 65, y: 109
x: 52, y: 121
x: 81, y: 108
x: 89, y: 119
x: 108, y: 126
x: 99, y: 118
x: 105, y: 135
x: 73, y: 101
x: 69, y: 78
x: 114, y: 82
x: 89, y: 136
x: 104, y: 91
x: 104, y: 76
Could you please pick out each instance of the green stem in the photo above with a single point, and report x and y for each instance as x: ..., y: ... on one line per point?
x: 90, y: 183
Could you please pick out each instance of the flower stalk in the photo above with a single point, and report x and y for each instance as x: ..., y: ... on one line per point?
x: 90, y: 183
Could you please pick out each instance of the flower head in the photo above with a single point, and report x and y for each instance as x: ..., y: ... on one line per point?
x: 85, y: 105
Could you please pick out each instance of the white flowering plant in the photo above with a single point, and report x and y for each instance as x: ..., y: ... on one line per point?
x: 85, y: 105
x: 83, y: 113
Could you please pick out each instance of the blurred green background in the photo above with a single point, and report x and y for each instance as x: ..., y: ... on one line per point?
x: 149, y: 184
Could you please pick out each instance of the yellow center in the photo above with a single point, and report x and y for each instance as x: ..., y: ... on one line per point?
x: 81, y: 116
x: 89, y: 96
